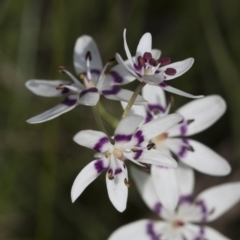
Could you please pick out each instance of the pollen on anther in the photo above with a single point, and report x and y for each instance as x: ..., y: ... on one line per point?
x: 127, y: 183
x: 81, y: 76
x: 61, y: 69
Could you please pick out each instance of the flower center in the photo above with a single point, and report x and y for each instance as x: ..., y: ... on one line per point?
x: 118, y: 153
x: 161, y: 137
x: 177, y: 224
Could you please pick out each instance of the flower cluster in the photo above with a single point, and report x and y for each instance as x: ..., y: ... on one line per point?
x: 148, y: 136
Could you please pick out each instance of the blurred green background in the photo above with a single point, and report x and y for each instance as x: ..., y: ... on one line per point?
x: 38, y: 163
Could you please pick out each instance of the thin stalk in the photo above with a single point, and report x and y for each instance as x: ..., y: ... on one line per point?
x: 98, y: 119
x: 133, y: 98
x: 109, y: 118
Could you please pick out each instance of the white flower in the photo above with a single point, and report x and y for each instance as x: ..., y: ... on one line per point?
x: 197, y: 116
x: 89, y: 68
x: 180, y: 224
x: 130, y: 143
x: 147, y: 67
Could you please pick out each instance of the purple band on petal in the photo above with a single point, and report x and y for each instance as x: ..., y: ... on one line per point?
x: 183, y: 150
x: 65, y: 90
x: 113, y: 91
x: 201, y: 233
x: 183, y: 129
x: 89, y: 90
x: 69, y: 102
x: 138, y: 154
x: 157, y: 208
x: 117, y: 171
x: 98, y: 146
x: 117, y: 78
x: 122, y: 137
x: 158, y: 107
x: 150, y: 231
x: 185, y: 199
x: 149, y: 117
x: 137, y: 67
x: 203, y: 207
x: 163, y: 84
x: 94, y: 71
x: 99, y: 166
x: 139, y: 136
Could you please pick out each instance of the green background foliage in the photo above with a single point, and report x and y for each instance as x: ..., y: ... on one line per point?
x: 38, y: 163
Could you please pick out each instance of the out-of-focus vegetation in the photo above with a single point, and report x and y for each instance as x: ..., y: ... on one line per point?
x: 38, y: 163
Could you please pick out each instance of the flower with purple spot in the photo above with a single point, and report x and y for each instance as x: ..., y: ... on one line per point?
x: 130, y: 142
x: 147, y: 67
x: 94, y: 80
x: 198, y: 115
x: 180, y: 223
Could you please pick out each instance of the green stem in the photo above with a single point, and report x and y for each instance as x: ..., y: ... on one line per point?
x: 107, y: 116
x: 98, y: 119
x: 132, y: 100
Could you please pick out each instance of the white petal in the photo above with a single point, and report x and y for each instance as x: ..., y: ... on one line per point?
x: 144, y: 183
x: 126, y: 128
x: 82, y: 46
x: 136, y: 109
x: 212, y: 234
x: 181, y: 67
x: 93, y: 139
x: 154, y: 95
x: 123, y: 95
x: 159, y: 126
x: 203, y: 159
x: 117, y: 190
x: 119, y: 75
x: 47, y: 88
x: 177, y: 91
x: 153, y: 79
x: 156, y: 53
x: 220, y: 199
x: 89, y: 97
x: 166, y: 186
x: 88, y: 174
x: 68, y: 104
x: 129, y: 56
x: 204, y: 112
x: 144, y: 45
x: 154, y: 157
x: 133, y: 231
x: 126, y: 66
x: 185, y: 179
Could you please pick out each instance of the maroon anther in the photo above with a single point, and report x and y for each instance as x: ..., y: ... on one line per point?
x: 153, y: 62
x: 141, y: 61
x: 179, y: 224
x: 170, y: 71
x: 147, y: 56
x: 88, y: 56
x: 165, y: 61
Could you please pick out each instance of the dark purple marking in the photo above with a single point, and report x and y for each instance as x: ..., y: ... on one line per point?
x: 117, y: 171
x: 163, y: 84
x: 113, y: 91
x: 137, y: 67
x: 157, y: 208
x: 122, y: 137
x: 89, y: 90
x: 154, y: 107
x: 147, y: 56
x: 153, y: 62
x: 203, y: 207
x: 170, y: 71
x: 69, y: 102
x: 141, y: 61
x: 151, y: 232
x: 99, y: 166
x: 139, y: 136
x: 165, y: 61
x: 65, y: 90
x: 98, y: 146
x: 138, y: 154
x: 95, y: 71
x: 149, y: 117
x: 183, y: 129
x: 117, y: 78
x: 183, y: 151
x: 185, y: 199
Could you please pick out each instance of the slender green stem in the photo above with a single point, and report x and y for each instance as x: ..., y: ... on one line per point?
x: 133, y: 98
x: 98, y: 119
x: 107, y: 116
